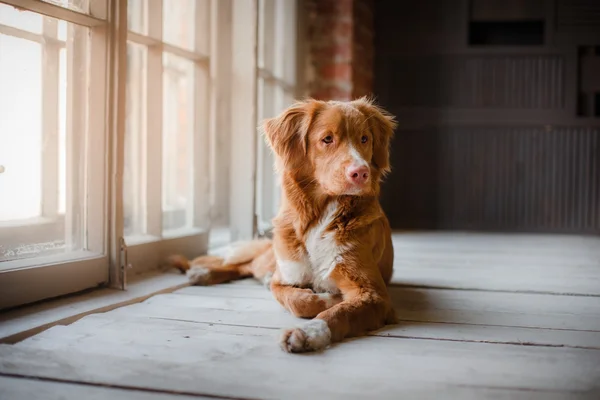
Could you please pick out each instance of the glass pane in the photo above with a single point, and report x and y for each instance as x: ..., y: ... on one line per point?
x: 42, y: 143
x: 82, y: 6
x: 178, y: 128
x: 202, y: 26
x: 265, y: 159
x: 266, y: 35
x: 272, y: 99
x: 135, y: 136
x: 21, y: 128
x: 62, y: 132
x: 287, y: 61
x: 25, y: 20
x: 137, y: 16
x: 62, y: 30
x: 178, y: 22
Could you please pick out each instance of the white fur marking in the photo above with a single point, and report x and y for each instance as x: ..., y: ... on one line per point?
x: 323, y: 250
x: 294, y: 272
x: 329, y: 299
x: 357, y: 159
x: 267, y: 280
x: 198, y: 275
x: 314, y: 335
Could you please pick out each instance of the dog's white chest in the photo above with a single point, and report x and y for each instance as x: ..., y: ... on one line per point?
x: 322, y: 247
x: 323, y: 253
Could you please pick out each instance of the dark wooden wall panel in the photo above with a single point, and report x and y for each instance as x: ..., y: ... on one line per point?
x: 492, y: 81
x: 578, y: 14
x: 503, y: 179
x: 497, y: 134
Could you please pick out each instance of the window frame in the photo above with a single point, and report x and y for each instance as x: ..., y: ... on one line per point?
x: 231, y: 181
x: 32, y: 279
x: 146, y: 251
x: 280, y: 24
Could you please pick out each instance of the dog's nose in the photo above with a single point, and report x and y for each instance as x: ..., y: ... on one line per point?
x: 358, y: 175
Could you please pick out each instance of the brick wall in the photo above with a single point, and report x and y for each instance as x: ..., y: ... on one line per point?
x: 340, y: 49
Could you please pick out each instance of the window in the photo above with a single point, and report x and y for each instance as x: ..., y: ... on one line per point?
x: 165, y: 180
x: 52, y: 131
x: 276, y: 90
x: 117, y: 141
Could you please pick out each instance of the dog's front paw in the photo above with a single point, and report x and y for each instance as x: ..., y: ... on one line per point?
x: 312, y: 336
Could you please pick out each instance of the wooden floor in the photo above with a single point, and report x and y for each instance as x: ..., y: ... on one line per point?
x: 482, y: 316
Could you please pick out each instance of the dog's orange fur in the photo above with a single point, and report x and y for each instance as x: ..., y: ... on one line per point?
x: 331, y: 255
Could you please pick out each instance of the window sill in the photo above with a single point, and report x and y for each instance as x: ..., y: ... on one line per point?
x: 26, y: 321
x: 23, y: 322
x: 33, y: 221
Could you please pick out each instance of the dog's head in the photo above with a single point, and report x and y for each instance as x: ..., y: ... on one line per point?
x: 341, y: 146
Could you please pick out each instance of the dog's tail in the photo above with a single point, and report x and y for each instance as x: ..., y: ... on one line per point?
x: 245, y: 259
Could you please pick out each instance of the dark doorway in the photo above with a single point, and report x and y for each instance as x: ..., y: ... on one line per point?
x: 497, y: 104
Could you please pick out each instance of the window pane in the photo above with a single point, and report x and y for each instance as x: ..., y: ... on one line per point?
x: 62, y: 131
x: 266, y: 35
x: 42, y: 145
x: 178, y: 22
x: 82, y: 6
x: 272, y: 99
x: 137, y: 12
x: 287, y: 44
x: 21, y: 128
x: 178, y: 128
x: 135, y: 138
x: 25, y: 20
x: 265, y: 172
x: 202, y: 26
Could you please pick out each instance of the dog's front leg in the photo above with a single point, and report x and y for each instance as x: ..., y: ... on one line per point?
x: 366, y: 307
x: 303, y: 303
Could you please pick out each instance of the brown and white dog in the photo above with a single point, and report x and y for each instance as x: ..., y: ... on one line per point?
x: 331, y: 255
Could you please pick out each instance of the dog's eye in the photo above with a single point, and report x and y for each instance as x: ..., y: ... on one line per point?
x: 328, y: 139
x: 364, y: 139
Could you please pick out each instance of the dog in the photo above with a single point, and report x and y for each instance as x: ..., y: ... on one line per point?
x: 331, y: 256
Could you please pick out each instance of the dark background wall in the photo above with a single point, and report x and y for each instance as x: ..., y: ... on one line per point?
x: 498, y: 103
x: 499, y: 111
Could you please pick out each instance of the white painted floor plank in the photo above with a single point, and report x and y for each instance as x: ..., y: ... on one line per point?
x: 431, y: 305
x: 522, y: 263
x: 117, y: 327
x: 31, y: 389
x: 23, y: 321
x: 496, y: 341
x: 472, y: 325
x: 246, y: 289
x: 248, y: 365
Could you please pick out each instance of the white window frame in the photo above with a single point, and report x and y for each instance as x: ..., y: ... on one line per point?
x: 147, y: 251
x: 228, y: 152
x: 28, y: 280
x: 278, y: 56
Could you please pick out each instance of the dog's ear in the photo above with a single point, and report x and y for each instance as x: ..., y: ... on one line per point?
x: 382, y: 127
x: 287, y: 134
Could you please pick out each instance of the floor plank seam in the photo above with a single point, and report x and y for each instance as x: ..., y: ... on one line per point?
x: 467, y: 289
x: 229, y: 296
x: 529, y: 389
x: 397, y: 336
x: 400, y: 320
x: 433, y: 287
x: 214, y: 323
x: 511, y: 343
x: 123, y: 387
x: 500, y: 326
